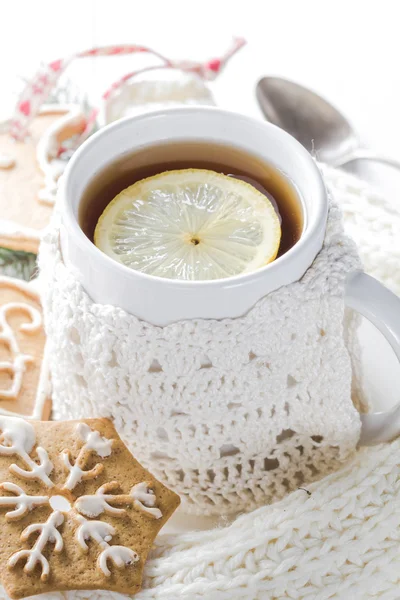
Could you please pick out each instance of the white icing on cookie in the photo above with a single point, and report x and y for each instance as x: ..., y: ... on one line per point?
x: 18, y: 438
x: 48, y: 146
x: 94, y: 441
x: 16, y: 369
x: 145, y: 499
x: 76, y: 471
x: 94, y: 505
x: 48, y: 193
x: 29, y: 289
x: 15, y: 231
x: 21, y: 502
x: 102, y: 533
x: 39, y: 470
x: 119, y: 555
x: 141, y: 495
x: 6, y: 161
x: 35, y: 557
x: 98, y: 531
x: 60, y: 503
x: 17, y: 365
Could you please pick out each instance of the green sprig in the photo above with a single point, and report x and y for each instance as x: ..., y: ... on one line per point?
x: 18, y: 264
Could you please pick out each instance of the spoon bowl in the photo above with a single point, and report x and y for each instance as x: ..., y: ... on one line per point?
x: 314, y: 122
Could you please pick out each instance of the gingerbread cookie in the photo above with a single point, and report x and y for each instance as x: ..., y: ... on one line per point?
x: 77, y: 510
x: 24, y: 379
x: 28, y: 176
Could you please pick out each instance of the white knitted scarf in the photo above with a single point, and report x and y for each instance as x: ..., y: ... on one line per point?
x: 342, y: 540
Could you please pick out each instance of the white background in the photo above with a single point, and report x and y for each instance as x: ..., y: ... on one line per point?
x: 347, y: 50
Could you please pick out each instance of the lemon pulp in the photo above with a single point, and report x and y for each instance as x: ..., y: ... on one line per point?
x: 190, y: 224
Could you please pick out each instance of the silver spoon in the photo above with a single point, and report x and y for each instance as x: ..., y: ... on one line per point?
x: 315, y: 123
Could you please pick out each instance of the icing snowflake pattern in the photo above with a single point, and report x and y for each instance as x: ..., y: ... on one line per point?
x: 17, y: 366
x: 18, y: 439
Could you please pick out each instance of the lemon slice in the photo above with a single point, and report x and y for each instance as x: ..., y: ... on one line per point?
x: 191, y: 224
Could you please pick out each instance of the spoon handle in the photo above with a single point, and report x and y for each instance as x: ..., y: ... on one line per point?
x: 366, y: 154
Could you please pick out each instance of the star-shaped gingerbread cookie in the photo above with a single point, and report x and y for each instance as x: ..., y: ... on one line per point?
x: 77, y: 510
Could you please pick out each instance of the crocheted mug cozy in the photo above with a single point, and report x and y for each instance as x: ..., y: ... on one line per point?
x: 340, y: 540
x: 230, y: 414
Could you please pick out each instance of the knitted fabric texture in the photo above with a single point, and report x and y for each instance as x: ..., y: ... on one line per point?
x: 373, y: 222
x: 341, y: 542
x: 230, y: 414
x: 157, y: 89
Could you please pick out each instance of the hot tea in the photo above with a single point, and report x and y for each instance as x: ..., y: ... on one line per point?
x: 187, y: 157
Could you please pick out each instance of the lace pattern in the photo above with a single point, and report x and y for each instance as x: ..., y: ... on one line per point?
x: 230, y: 414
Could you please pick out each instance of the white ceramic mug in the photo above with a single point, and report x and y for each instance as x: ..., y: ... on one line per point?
x: 162, y: 301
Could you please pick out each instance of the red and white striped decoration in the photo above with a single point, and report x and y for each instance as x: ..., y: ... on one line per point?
x: 36, y: 91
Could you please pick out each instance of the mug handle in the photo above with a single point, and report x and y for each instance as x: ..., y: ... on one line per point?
x: 380, y: 306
